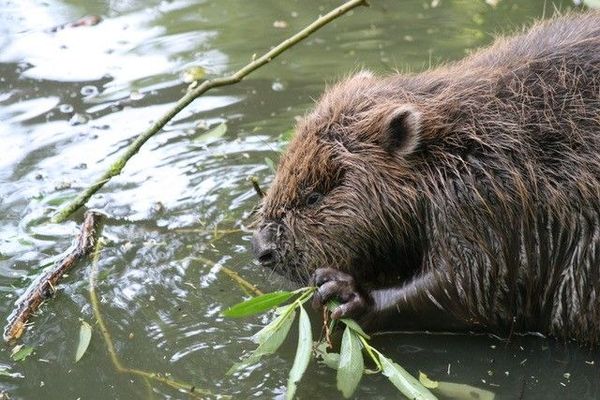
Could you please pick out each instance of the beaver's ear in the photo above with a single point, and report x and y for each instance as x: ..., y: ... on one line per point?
x: 402, y: 129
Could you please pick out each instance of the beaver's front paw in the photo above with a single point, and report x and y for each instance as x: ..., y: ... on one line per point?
x: 333, y: 284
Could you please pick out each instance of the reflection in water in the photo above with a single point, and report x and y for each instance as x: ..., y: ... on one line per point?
x: 71, y: 100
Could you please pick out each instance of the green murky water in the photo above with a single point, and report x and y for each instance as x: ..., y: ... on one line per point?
x: 70, y: 100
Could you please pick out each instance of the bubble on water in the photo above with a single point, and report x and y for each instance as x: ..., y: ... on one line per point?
x: 65, y: 108
x: 89, y: 91
x: 277, y: 86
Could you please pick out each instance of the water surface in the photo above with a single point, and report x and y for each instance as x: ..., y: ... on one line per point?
x: 71, y: 99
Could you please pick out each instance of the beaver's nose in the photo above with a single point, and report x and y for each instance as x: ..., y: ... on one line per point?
x: 263, y: 246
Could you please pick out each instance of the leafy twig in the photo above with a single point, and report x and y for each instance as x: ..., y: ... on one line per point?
x: 349, y: 363
x: 134, y: 147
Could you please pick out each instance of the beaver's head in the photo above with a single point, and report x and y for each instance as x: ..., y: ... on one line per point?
x: 344, y: 193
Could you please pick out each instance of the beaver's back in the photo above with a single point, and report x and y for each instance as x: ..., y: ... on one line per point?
x: 515, y: 136
x: 528, y: 107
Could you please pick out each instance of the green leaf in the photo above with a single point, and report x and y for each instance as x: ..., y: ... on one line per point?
x: 271, y: 337
x: 270, y: 164
x: 355, y: 327
x: 85, y: 335
x: 332, y: 360
x: 258, y: 304
x: 20, y: 352
x: 213, y: 134
x: 351, y: 365
x: 282, y: 315
x: 404, y: 382
x: 303, y: 354
x: 457, y: 391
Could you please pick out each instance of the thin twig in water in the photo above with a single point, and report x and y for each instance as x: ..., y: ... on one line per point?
x: 44, y: 286
x: 147, y: 376
x: 117, y: 166
x: 246, y: 286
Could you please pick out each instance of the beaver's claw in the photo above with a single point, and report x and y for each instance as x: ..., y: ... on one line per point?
x: 333, y: 284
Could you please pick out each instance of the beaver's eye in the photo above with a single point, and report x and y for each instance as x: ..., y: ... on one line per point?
x: 313, y: 199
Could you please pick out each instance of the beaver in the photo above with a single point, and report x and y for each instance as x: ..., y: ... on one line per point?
x: 462, y: 198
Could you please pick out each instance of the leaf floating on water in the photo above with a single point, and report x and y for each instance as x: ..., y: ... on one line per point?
x: 351, y: 366
x: 303, y: 354
x: 85, y: 335
x: 20, y: 352
x: 193, y: 74
x: 258, y: 304
x: 404, y: 382
x: 456, y: 391
x: 213, y: 134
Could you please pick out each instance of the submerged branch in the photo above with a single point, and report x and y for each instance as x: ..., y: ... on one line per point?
x: 134, y: 147
x: 44, y: 286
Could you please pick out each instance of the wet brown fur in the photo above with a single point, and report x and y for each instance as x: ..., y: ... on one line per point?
x: 495, y: 199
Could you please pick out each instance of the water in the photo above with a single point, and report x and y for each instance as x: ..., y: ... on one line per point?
x: 72, y: 99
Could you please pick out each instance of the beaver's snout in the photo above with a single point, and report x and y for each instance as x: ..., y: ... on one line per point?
x: 264, y: 247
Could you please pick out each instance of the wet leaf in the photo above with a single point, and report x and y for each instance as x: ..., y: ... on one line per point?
x: 20, y: 352
x: 303, y: 354
x: 351, y: 366
x: 213, y: 134
x: 455, y: 391
x: 404, y: 382
x: 192, y: 74
x: 85, y: 335
x: 258, y: 304
x: 332, y: 360
x: 282, y: 315
x: 271, y: 338
x: 355, y: 327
